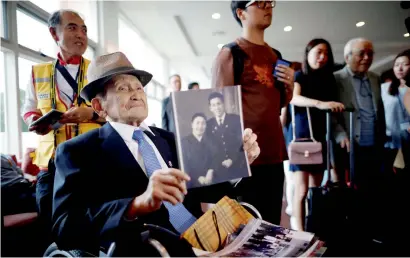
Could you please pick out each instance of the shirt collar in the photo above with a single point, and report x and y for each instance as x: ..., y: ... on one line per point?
x: 222, y: 119
x: 75, y: 60
x: 126, y: 131
x: 356, y: 76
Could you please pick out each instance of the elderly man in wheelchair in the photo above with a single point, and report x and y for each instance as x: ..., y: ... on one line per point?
x: 121, y: 183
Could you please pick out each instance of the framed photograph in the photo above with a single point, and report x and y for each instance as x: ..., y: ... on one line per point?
x: 209, y: 128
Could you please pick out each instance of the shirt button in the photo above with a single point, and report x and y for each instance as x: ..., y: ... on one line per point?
x: 224, y: 143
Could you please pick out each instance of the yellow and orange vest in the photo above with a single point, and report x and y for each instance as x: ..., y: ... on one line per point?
x: 42, y: 74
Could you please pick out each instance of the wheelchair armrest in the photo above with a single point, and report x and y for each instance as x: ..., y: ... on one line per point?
x: 54, y: 251
x: 251, y: 209
x: 159, y: 247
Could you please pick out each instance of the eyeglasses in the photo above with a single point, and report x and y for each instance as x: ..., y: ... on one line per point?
x: 362, y: 53
x: 262, y: 4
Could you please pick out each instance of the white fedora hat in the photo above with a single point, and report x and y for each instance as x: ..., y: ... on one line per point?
x: 104, y: 68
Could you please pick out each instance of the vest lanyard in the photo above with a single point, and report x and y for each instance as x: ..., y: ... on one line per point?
x: 53, y: 89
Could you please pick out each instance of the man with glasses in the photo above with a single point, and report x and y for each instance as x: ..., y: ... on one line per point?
x: 262, y: 99
x: 359, y: 88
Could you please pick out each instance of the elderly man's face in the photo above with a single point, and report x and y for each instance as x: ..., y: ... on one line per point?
x: 361, y: 57
x: 125, y: 100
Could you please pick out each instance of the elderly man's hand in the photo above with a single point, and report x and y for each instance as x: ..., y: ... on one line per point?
x: 250, y: 145
x: 164, y: 185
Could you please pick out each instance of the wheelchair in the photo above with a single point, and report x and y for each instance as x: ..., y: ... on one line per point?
x: 54, y: 251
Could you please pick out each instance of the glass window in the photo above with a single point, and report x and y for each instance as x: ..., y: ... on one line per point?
x: 87, y: 10
x: 89, y: 53
x: 150, y: 89
x: 3, y: 137
x: 141, y: 55
x: 34, y: 34
x: 131, y: 44
x: 29, y: 139
x: 3, y: 18
x: 48, y: 6
x: 154, y: 112
x: 154, y: 64
x: 160, y: 92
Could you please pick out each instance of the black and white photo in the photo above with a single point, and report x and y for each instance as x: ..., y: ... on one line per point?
x: 209, y: 128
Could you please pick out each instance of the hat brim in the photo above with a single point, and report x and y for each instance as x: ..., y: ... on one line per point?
x: 95, y: 87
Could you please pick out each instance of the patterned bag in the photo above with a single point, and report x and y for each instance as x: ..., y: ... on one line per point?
x: 210, y: 231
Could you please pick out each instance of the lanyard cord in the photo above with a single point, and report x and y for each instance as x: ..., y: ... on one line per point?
x: 53, y: 89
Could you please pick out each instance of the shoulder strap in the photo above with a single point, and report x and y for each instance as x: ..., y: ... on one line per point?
x: 277, y: 53
x: 238, y: 56
x: 70, y: 80
x: 294, y: 124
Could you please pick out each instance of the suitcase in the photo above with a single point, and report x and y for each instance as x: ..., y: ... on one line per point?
x: 351, y: 221
x: 328, y: 205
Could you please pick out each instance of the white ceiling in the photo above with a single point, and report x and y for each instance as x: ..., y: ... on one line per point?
x: 184, y: 31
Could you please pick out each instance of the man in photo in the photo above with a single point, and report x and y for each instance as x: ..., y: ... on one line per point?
x: 225, y: 130
x: 197, y: 153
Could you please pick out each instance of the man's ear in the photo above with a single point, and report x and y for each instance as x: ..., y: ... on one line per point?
x: 98, y: 107
x: 53, y: 32
x: 347, y: 58
x: 240, y: 14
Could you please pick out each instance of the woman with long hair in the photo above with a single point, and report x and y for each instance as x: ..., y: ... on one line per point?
x: 314, y: 88
x: 397, y: 117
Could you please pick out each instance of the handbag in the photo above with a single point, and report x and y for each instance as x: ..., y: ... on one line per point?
x: 304, y: 153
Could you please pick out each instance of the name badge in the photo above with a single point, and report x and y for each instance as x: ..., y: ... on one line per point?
x: 43, y: 96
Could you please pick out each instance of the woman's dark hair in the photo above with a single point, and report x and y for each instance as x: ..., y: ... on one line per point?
x: 329, y: 66
x: 395, y: 83
x: 215, y: 95
x: 198, y: 115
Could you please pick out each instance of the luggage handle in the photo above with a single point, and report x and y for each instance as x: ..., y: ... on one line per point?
x: 351, y: 139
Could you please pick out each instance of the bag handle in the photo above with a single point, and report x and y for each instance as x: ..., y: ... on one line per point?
x: 215, y: 220
x: 294, y: 124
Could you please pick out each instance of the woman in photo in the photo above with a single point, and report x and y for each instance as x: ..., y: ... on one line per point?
x: 196, y: 145
x: 314, y: 88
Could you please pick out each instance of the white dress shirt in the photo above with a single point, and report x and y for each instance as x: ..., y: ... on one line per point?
x: 66, y: 93
x: 126, y: 132
x: 221, y: 120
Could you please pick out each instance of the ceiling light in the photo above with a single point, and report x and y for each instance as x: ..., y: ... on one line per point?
x: 287, y: 28
x: 406, y: 35
x: 360, y: 24
x: 216, y: 16
x: 220, y: 46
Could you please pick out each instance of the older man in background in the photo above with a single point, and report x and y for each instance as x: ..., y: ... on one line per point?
x: 359, y: 88
x: 167, y: 114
